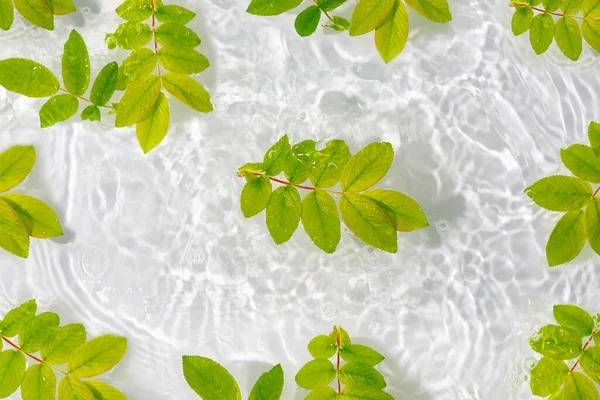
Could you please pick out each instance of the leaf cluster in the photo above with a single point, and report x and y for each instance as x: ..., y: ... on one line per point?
x: 39, y: 12
x: 388, y: 18
x: 21, y: 216
x: 357, y: 377
x: 56, y: 345
x: 374, y: 215
x: 573, y: 195
x: 551, y: 376
x: 549, y: 24
x: 211, y: 381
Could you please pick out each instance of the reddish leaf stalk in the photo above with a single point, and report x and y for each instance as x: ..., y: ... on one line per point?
x: 546, y: 12
x: 289, y: 183
x: 338, y: 339
x: 154, y: 32
x: 32, y: 356
x: 584, y: 347
x: 596, y: 192
x: 82, y: 98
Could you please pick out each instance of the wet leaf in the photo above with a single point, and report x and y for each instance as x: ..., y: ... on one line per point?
x: 210, y: 380
x: 521, y: 20
x: 39, y: 383
x: 37, y: 330
x: 58, y: 108
x: 406, y: 213
x: 255, y: 195
x: 7, y: 14
x: 321, y: 220
x: 434, y: 10
x: 329, y: 164
x: 28, y: 78
x: 188, y: 91
x: 560, y: 193
x: 547, y: 376
x: 574, y: 318
x: 269, y: 386
x: 307, y: 21
x: 368, y: 14
x: 541, y: 32
x: 12, y: 372
x: 315, y: 373
x: 63, y: 342
x: 283, y: 213
x: 367, y: 167
x: 173, y: 34
x: 97, y: 356
x: 76, y: 64
x: 13, y: 233
x: 556, y: 342
x: 38, y: 12
x: 138, y: 100
x: 567, y: 238
x: 322, y: 347
x: 15, y: 319
x: 182, y: 60
x: 176, y: 14
x: 271, y: 7
x: 358, y: 353
x: 135, y: 10
x: 105, y: 84
x: 391, y: 35
x: 15, y: 165
x: 580, y: 387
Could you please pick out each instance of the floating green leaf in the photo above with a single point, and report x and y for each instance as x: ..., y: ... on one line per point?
x: 269, y: 386
x: 255, y: 195
x: 28, y: 78
x: 102, y: 391
x: 91, y: 113
x: 557, y: 342
x: 315, y: 373
x: 592, y: 224
x: 63, y: 342
x: 71, y: 388
x: 582, y: 161
x: 7, y: 14
x: 39, y: 383
x: 182, y: 60
x: 13, y: 233
x: 367, y: 167
x: 434, y: 10
x: 15, y: 165
x: 76, y: 65
x: 322, y: 393
x: 590, y: 30
x: 359, y: 353
x: 188, y: 91
x: 329, y: 164
x: 132, y: 35
x: 12, y: 372
x: 580, y: 387
x: 361, y: 374
x: 361, y: 392
x: 567, y: 238
x: 541, y: 33
x: 368, y: 14
x: 58, y: 108
x: 105, y: 84
x: 575, y: 318
x: 568, y: 37
x: 391, y: 35
x: 140, y: 63
x: 307, y: 21
x: 591, y: 9
x: 15, y: 319
x: 522, y: 20
x: 275, y: 158
x: 560, y: 193
x: 571, y: 7
x: 63, y: 7
x: 37, y: 330
x: 176, y: 14
x: 38, y: 12
x: 547, y: 376
x: 329, y: 5
x: 590, y: 362
x: 322, y: 347
x: 151, y: 131
x: 209, y: 379
x: 271, y: 7
x: 138, y: 100
x: 406, y: 213
x: 97, y: 356
x: 283, y: 213
x: 594, y: 135
x: 321, y: 220
x: 173, y: 34
x: 135, y: 10
x: 299, y: 161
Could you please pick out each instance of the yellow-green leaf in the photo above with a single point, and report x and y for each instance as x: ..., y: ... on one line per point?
x: 591, y: 33
x: 172, y: 13
x: 269, y: 385
x: 551, y: 5
x: 556, y: 342
x: 38, y: 12
x: 12, y: 372
x: 151, y: 131
x: 369, y: 222
x: 368, y: 14
x: 209, y: 379
x: 592, y: 224
x: 58, y: 108
x: 582, y: 161
x: 521, y: 20
x: 182, y: 60
x: 105, y: 84
x: 13, y: 234
x: 307, y: 21
x: 271, y: 7
x: 102, y: 391
x: 560, y: 193
x: 91, y: 113
x: 364, y: 392
x: 547, y: 376
x: 97, y: 356
x: 406, y: 213
x: 138, y: 100
x: 434, y: 10
x: 315, y: 373
x: 275, y: 158
x: 37, y: 330
x: 571, y: 7
x: 573, y: 317
x: 283, y: 213
x: 71, y: 388
x: 353, y: 353
x: 322, y: 393
x: 568, y: 37
x: 62, y: 7
x: 7, y: 14
x: 392, y: 33
x: 188, y: 91
x: 567, y: 238
x: 590, y: 362
x: 63, y: 342
x: 367, y: 167
x: 361, y: 374
x: 580, y: 387
x: 558, y: 395
x: 15, y: 319
x: 132, y: 35
x: 28, y: 78
x: 591, y: 9
x: 174, y: 34
x: 321, y: 220
x: 322, y: 347
x: 39, y: 383
x: 255, y: 195
x: 594, y: 135
x: 541, y: 33
x: 139, y: 63
x: 299, y: 162
x: 15, y: 164
x: 135, y: 10
x: 329, y: 164
x: 76, y: 64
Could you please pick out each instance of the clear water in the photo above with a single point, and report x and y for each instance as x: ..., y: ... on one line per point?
x: 156, y: 248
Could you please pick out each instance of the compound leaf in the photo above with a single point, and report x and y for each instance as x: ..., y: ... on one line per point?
x: 174, y: 34
x: 131, y: 35
x: 15, y: 319
x: 97, y: 356
x: 582, y: 161
x: 359, y: 353
x: 105, y: 84
x: 322, y: 347
x: 182, y: 60
x: 367, y: 167
x: 12, y: 371
x: 275, y: 158
x: 580, y: 387
x: 560, y: 193
x: 37, y: 330
x: 575, y: 318
x: 361, y: 374
x: 406, y: 213
x: 556, y: 342
x: 135, y: 10
x: 176, y: 14
x: 63, y: 342
x: 39, y: 383
x: 329, y: 164
x: 71, y: 388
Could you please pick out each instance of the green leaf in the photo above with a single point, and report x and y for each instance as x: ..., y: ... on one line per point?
x: 38, y: 12
x: 558, y: 395
x: 340, y: 334
x: 188, y: 91
x: 580, y: 387
x: 209, y: 379
x: 571, y: 7
x: 15, y: 319
x: 269, y: 386
x: 315, y: 373
x: 102, y: 391
x: 62, y: 7
x: 173, y: 34
x: 434, y: 10
x: 105, y: 84
x: 364, y: 393
x: 367, y: 167
x: 91, y: 113
x: 329, y: 164
x: 556, y: 342
x: 359, y: 353
x: 591, y: 33
x: 7, y: 14
x: 298, y: 162
x: 391, y: 35
x: 28, y: 78
x: 592, y: 224
x: 560, y: 193
x: 271, y: 7
x: 283, y: 213
x: 138, y: 100
x: 140, y: 63
x: 251, y: 167
x: 255, y: 195
x: 567, y: 238
x: 151, y: 131
x: 574, y: 317
x: 590, y: 362
x: 76, y: 65
x: 321, y: 220
x: 182, y: 60
x: 322, y: 347
x: 568, y: 37
x: 58, y: 108
x: 541, y: 33
x: 12, y: 372
x: 39, y: 383
x: 135, y: 10
x: 37, y: 331
x: 368, y: 14
x: 361, y: 374
x: 547, y: 376
x: 551, y: 5
x: 582, y: 161
x: 369, y: 222
x: 406, y: 213
x: 594, y: 135
x: 13, y: 234
x: 322, y: 393
x: 276, y: 156
x: 522, y: 20
x: 339, y: 24
x: 71, y: 388
x: 63, y: 342
x: 97, y: 356
x: 307, y: 21
x: 132, y: 35
x: 174, y: 14
x: 329, y: 5
x: 591, y: 9
x: 15, y: 165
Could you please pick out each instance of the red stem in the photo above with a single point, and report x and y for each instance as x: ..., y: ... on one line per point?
x: 596, y: 192
x: 82, y: 98
x: 584, y: 347
x: 544, y: 11
x: 154, y: 32
x: 338, y: 339
x: 288, y: 183
x: 32, y: 356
